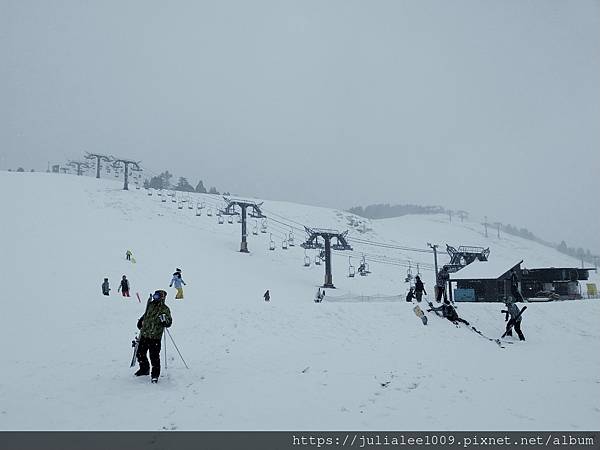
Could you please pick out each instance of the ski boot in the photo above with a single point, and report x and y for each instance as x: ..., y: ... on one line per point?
x: 154, y: 380
x: 141, y: 373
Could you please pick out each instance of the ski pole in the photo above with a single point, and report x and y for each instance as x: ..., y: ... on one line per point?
x: 165, y: 338
x: 175, y: 345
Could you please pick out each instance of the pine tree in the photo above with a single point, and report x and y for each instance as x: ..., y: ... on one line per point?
x: 200, y: 187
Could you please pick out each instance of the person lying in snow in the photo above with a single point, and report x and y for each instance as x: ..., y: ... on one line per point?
x: 448, y: 312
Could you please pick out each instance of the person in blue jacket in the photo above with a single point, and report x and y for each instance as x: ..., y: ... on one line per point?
x: 179, y: 283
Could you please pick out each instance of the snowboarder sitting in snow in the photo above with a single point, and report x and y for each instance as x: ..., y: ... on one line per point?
x: 124, y: 287
x: 513, y: 311
x: 448, y: 312
x: 105, y: 287
x: 151, y: 326
x: 410, y: 295
x: 419, y: 288
x: 178, y: 282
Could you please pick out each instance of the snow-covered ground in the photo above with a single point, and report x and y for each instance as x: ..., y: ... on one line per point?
x: 359, y: 360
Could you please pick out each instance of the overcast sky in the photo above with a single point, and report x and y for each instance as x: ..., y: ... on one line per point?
x: 488, y: 106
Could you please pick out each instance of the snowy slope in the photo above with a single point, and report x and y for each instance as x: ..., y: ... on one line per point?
x: 347, y: 363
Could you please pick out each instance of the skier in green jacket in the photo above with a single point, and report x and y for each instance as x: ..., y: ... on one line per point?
x: 151, y: 326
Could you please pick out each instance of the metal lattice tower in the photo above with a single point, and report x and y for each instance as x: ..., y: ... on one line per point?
x: 464, y: 256
x: 312, y: 242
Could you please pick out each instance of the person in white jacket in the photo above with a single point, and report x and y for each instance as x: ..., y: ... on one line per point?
x: 179, y: 283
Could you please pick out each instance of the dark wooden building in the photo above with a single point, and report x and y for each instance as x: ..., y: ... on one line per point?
x: 487, y: 281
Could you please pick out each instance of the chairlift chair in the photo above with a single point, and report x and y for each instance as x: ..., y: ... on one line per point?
x: 221, y: 220
x: 198, y: 211
x: 317, y: 260
x: 149, y: 192
x: 239, y: 219
x: 163, y: 200
x: 209, y: 212
x: 190, y: 205
x: 271, y: 243
x: 351, y: 270
x: 263, y: 226
x: 306, y: 259
x: 284, y: 244
x: 229, y: 219
x: 255, y: 229
x: 180, y: 205
x: 291, y: 239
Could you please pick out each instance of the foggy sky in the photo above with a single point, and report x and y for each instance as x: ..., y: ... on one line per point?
x: 492, y: 107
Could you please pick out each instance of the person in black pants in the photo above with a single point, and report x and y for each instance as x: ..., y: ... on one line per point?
x: 513, y: 311
x: 151, y: 325
x: 448, y: 312
x: 419, y: 288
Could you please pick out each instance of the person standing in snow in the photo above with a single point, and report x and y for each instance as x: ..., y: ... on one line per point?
x: 447, y: 311
x: 151, y: 325
x: 419, y: 288
x: 124, y: 286
x: 267, y: 296
x: 440, y: 288
x: 513, y: 311
x: 514, y: 286
x: 128, y: 255
x: 178, y: 282
x: 105, y: 287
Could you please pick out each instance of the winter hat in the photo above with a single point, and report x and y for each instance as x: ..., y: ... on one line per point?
x: 159, y: 295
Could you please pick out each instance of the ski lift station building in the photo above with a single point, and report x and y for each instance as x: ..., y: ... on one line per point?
x: 483, y: 281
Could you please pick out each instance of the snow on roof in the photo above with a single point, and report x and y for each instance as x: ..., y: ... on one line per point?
x: 484, y: 270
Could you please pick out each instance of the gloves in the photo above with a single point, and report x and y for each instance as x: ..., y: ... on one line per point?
x: 140, y: 323
x: 164, y: 321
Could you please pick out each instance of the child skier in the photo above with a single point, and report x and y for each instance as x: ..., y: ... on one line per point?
x: 105, y: 287
x: 124, y: 286
x: 178, y: 282
x: 151, y: 326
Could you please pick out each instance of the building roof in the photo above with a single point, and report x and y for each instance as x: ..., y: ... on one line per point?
x: 484, y: 270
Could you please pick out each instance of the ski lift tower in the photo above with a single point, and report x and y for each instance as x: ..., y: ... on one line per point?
x: 98, y: 159
x: 126, y: 163
x: 79, y: 165
x: 255, y: 213
x: 313, y: 242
